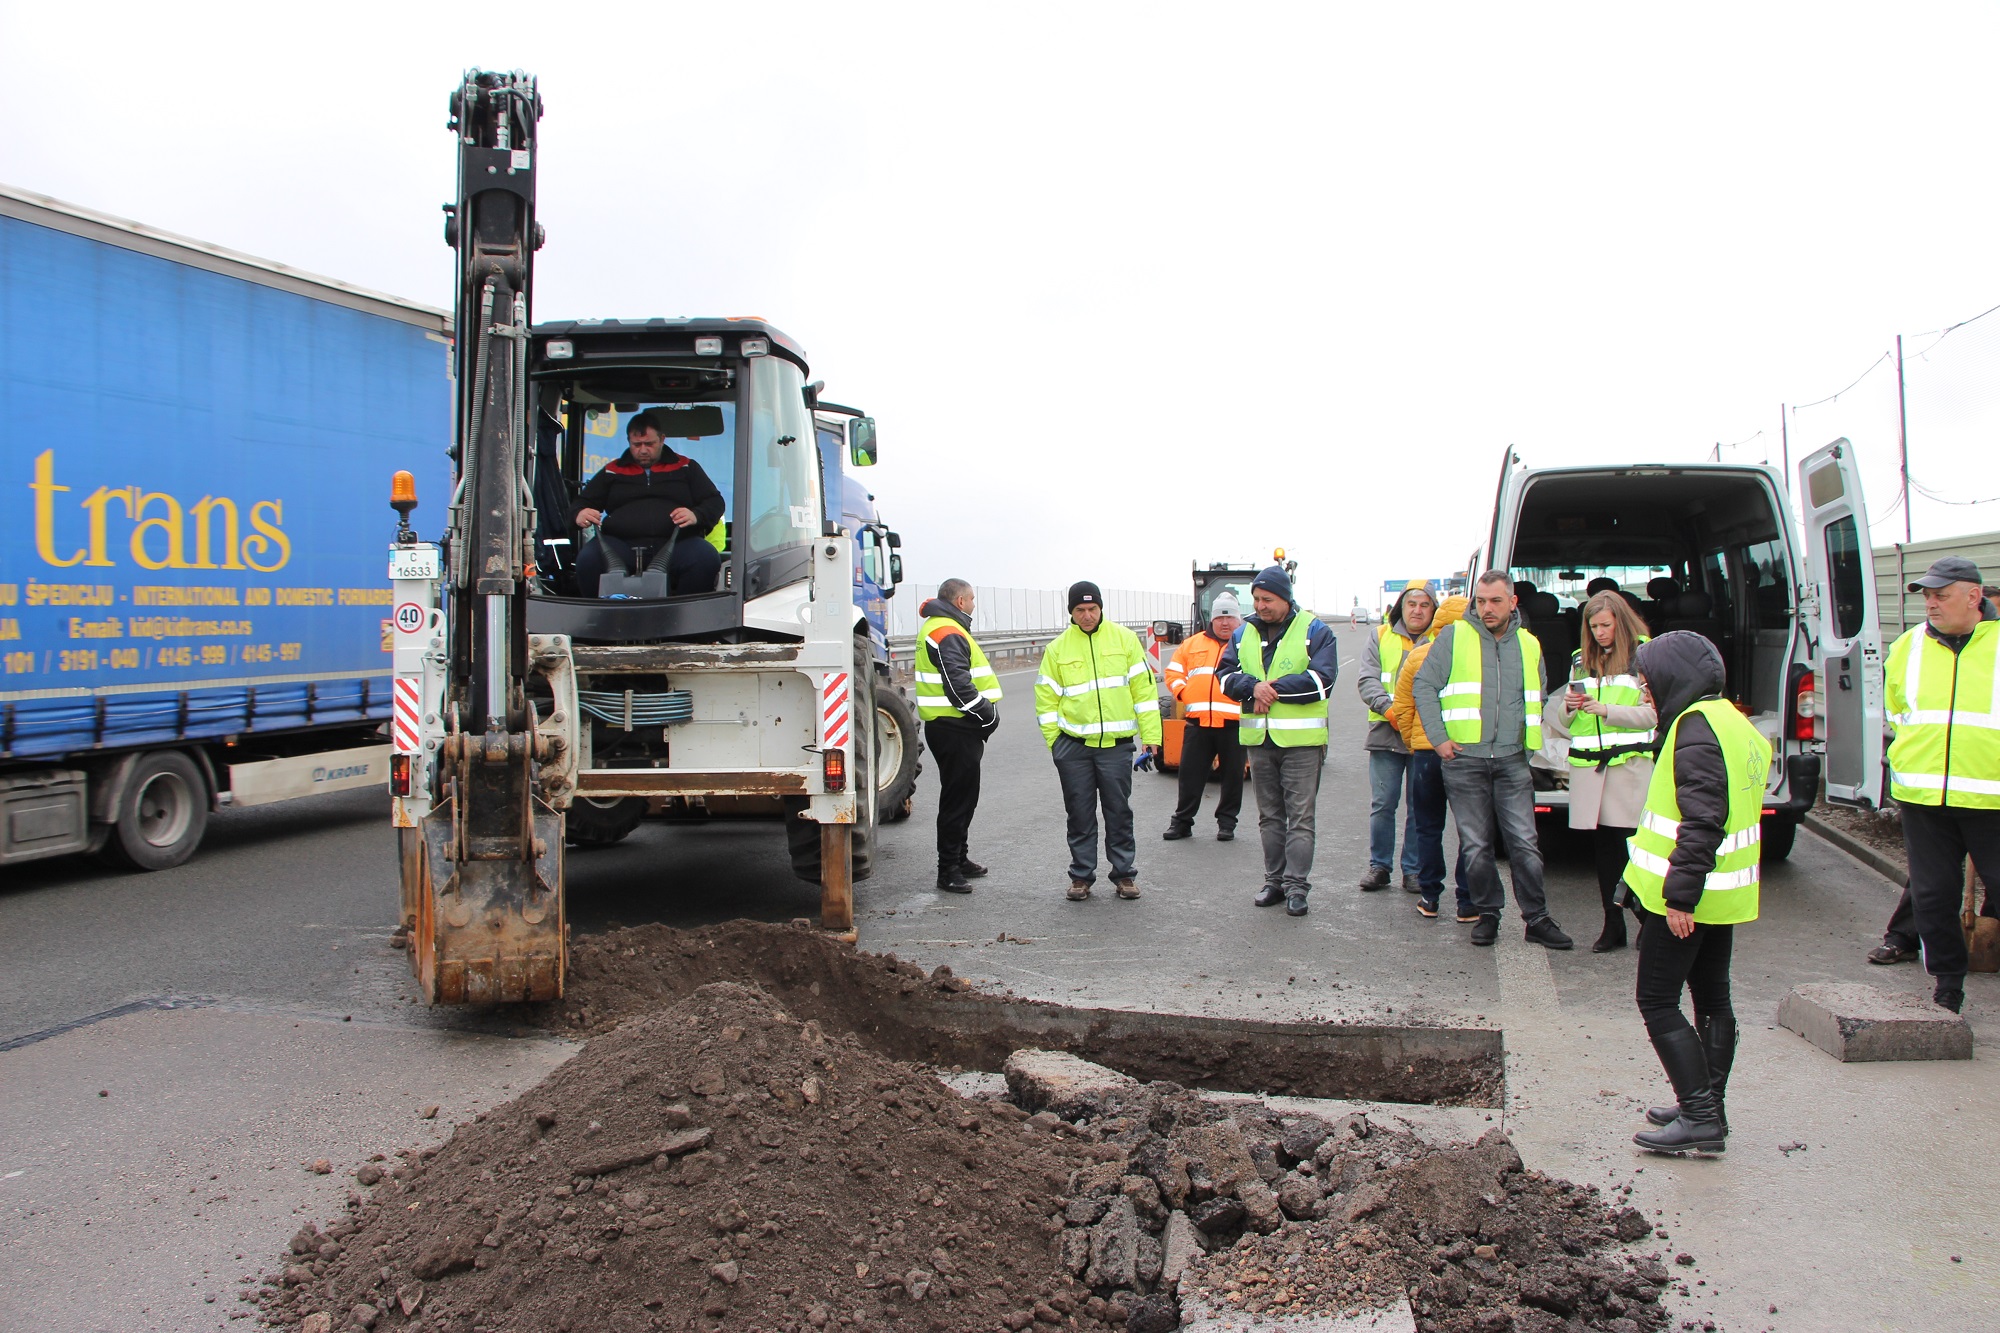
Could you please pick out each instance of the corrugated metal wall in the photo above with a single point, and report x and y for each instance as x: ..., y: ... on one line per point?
x: 1896, y: 565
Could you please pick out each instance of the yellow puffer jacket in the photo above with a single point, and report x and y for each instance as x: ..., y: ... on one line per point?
x: 1403, y: 708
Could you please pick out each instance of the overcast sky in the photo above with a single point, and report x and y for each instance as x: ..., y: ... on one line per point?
x: 1133, y: 285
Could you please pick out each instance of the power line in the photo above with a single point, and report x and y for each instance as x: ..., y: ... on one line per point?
x: 1857, y: 379
x: 1933, y: 496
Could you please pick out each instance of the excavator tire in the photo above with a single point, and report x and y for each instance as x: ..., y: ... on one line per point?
x: 599, y: 823
x: 802, y: 835
x: 898, y: 754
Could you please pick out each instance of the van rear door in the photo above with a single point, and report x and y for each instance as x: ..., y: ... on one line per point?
x: 1842, y: 624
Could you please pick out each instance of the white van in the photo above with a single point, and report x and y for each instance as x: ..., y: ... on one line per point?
x: 1715, y: 548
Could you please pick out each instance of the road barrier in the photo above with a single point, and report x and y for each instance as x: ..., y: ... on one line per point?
x: 903, y: 647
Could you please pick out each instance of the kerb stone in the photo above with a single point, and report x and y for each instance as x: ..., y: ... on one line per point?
x: 1851, y: 1021
x: 1059, y: 1081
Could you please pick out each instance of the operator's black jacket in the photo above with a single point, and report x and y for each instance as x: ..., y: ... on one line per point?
x: 1683, y: 668
x: 953, y: 654
x: 638, y: 502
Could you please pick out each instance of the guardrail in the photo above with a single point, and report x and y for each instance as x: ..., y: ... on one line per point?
x: 903, y: 647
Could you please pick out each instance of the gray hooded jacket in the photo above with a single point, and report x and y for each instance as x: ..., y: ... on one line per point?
x: 1502, y: 709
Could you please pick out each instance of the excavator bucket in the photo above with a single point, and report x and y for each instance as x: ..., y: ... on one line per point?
x: 488, y: 931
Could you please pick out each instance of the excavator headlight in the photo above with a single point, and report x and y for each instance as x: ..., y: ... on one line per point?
x: 836, y: 770
x: 756, y: 347
x: 708, y: 347
x: 559, y: 349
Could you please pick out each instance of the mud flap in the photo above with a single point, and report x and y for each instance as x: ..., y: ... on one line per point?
x: 489, y: 931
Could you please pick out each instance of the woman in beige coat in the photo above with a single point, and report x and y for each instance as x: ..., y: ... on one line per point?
x: 1611, y: 744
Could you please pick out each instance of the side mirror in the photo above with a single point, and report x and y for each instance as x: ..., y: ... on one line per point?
x: 895, y: 541
x: 861, y: 447
x: 895, y: 574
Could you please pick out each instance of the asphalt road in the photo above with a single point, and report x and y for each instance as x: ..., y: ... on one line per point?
x: 293, y: 1033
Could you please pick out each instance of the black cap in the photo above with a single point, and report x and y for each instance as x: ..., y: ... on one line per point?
x: 1084, y: 594
x: 1952, y: 569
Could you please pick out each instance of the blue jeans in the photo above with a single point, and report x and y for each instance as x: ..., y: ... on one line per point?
x: 1386, y: 774
x: 1094, y: 775
x: 1425, y: 838
x: 1493, y: 799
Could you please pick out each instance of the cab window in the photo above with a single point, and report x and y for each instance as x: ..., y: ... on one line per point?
x: 783, y: 507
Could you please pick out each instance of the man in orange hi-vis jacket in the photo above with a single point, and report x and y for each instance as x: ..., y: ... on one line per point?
x: 1210, y: 733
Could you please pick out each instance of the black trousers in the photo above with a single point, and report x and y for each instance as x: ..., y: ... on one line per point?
x: 1937, y: 840
x: 1700, y: 963
x: 958, y: 744
x: 1201, y: 746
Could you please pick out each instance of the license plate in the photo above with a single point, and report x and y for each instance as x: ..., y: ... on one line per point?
x: 413, y: 562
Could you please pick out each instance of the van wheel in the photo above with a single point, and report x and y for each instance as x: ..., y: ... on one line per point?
x: 161, y: 815
x: 1777, y: 837
x: 899, y: 749
x: 593, y: 822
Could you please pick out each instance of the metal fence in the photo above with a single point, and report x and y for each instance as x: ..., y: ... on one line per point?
x: 1896, y: 565
x: 1003, y: 611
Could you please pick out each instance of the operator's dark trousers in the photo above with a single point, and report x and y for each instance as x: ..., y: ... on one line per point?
x: 1700, y: 963
x: 1201, y: 746
x: 958, y: 744
x: 1092, y: 776
x: 692, y: 567
x: 1938, y: 839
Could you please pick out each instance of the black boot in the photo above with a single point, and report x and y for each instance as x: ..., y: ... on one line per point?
x: 1718, y: 1043
x: 1698, y: 1127
x: 1610, y: 850
x: 952, y: 880
x: 1613, y: 936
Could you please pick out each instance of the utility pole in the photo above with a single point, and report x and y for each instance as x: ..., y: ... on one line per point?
x: 1785, y: 441
x: 1903, y: 437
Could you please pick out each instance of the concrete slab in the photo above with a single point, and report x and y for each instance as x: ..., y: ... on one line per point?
x: 1850, y: 1021
x: 1057, y: 1080
x: 150, y: 1162
x: 1198, y: 1315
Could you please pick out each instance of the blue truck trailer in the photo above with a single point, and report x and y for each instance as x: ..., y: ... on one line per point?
x: 195, y: 445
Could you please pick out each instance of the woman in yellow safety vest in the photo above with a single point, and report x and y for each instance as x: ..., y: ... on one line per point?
x: 1694, y: 872
x: 1610, y: 729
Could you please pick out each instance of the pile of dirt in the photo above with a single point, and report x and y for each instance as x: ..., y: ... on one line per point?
x: 719, y: 1164
x: 1880, y: 829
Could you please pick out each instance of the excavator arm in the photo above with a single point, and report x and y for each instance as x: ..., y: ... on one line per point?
x: 485, y: 910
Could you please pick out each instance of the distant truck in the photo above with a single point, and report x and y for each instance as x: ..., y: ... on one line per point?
x: 193, y: 449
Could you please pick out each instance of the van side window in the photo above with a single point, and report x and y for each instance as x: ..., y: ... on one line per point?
x: 1844, y: 563
x: 1768, y: 583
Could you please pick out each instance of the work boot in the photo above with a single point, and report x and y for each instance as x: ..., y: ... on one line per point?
x: 952, y: 880
x: 1225, y: 833
x: 1699, y: 1126
x: 970, y: 868
x: 1270, y: 896
x: 1548, y: 934
x: 1410, y: 884
x: 1376, y: 878
x: 1487, y: 931
x: 1950, y: 993
x: 1613, y: 936
x: 1295, y: 903
x: 1175, y: 832
x: 1079, y: 889
x: 1127, y: 888
x: 1718, y: 1043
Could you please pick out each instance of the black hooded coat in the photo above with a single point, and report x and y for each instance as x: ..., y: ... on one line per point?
x: 1682, y: 668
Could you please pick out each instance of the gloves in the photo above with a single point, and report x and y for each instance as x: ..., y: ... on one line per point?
x: 1145, y: 762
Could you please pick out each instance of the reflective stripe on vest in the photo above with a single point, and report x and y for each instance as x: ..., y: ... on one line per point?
x: 1594, y: 740
x: 1729, y: 893
x: 1287, y: 724
x: 1945, y: 707
x: 1459, y: 699
x: 1391, y: 647
x: 1199, y: 694
x: 1097, y: 708
x: 932, y: 700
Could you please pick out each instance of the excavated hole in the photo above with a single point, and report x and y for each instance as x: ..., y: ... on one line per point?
x: 902, y: 1012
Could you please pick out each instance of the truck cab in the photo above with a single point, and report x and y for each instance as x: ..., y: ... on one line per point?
x: 1717, y: 550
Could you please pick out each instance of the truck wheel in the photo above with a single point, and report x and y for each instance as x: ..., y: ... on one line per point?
x: 802, y: 835
x: 899, y: 751
x: 161, y: 815
x: 595, y: 822
x: 1778, y: 835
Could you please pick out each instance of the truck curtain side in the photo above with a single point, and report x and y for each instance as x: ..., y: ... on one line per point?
x: 194, y: 445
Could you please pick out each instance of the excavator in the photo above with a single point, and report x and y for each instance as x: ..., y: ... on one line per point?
x: 524, y: 706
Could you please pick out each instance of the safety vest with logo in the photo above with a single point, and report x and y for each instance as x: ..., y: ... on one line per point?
x: 1945, y: 707
x: 1391, y: 646
x: 1459, y: 700
x: 932, y: 700
x: 1729, y: 894
x: 1097, y: 688
x: 1595, y: 740
x: 1287, y: 724
x: 1191, y: 679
